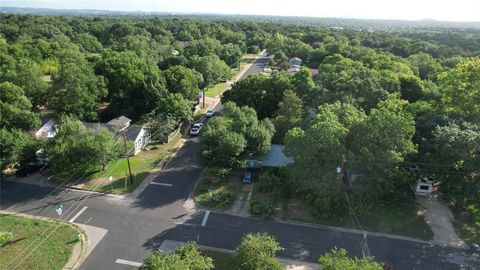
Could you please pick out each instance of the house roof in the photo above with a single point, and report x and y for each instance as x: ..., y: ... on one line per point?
x: 119, y: 121
x: 295, y: 59
x: 132, y: 132
x: 275, y: 157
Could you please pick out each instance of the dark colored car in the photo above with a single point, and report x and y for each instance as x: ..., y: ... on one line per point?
x: 248, y: 177
x: 28, y: 170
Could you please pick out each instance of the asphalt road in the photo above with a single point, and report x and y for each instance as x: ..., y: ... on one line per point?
x: 257, y: 66
x: 162, y: 211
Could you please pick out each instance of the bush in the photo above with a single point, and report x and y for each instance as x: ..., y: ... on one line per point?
x: 474, y: 210
x: 222, y: 199
x: 222, y: 173
x: 5, y: 237
x: 256, y: 208
x: 268, y: 182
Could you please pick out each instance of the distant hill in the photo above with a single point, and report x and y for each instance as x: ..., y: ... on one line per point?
x: 361, y: 24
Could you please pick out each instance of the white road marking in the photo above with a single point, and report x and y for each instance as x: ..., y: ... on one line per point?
x: 120, y: 261
x: 78, y: 214
x: 161, y: 184
x: 204, y: 221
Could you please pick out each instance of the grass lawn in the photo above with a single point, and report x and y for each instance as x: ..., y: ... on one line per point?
x: 400, y: 217
x: 52, y: 254
x: 222, y: 260
x: 141, y: 164
x: 467, y: 228
x: 216, y: 90
x: 213, y: 192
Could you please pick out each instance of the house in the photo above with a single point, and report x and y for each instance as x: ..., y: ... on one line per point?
x: 273, y: 158
x: 120, y: 126
x: 295, y: 62
x: 294, y: 65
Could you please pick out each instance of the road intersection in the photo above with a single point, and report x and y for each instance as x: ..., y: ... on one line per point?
x: 137, y: 225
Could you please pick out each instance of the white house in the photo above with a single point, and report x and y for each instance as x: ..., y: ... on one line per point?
x: 139, y: 135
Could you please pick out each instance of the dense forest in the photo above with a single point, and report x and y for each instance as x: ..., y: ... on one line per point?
x: 379, y: 102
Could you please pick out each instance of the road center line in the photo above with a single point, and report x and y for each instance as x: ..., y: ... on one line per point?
x: 205, y: 218
x: 120, y: 261
x: 161, y: 184
x: 78, y: 214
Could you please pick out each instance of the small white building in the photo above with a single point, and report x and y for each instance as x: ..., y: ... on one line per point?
x: 139, y: 135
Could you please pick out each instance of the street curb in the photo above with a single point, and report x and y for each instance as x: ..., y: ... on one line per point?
x: 72, y: 263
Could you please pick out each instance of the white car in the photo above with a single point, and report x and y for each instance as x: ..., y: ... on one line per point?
x: 210, y: 113
x: 195, y: 130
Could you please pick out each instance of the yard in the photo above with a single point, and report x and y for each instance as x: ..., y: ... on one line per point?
x: 215, y: 192
x: 216, y: 90
x: 141, y: 164
x: 51, y: 254
x: 401, y: 217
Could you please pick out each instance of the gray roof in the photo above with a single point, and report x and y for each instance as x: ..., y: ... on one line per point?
x: 275, y: 157
x: 131, y: 132
x: 119, y: 121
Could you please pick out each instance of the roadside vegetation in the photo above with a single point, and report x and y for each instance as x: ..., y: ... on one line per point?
x: 256, y: 251
x: 19, y: 236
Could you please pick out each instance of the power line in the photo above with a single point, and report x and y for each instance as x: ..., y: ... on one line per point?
x: 59, y: 219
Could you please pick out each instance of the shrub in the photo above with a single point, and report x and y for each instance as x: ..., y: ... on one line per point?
x: 222, y: 173
x: 222, y: 199
x: 5, y: 237
x: 256, y: 208
x: 258, y: 251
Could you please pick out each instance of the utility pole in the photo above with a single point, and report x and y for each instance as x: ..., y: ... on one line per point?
x: 365, y: 249
x: 128, y: 158
x: 340, y: 171
x: 203, y: 96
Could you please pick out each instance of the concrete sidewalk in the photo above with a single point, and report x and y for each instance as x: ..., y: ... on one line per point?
x: 170, y: 245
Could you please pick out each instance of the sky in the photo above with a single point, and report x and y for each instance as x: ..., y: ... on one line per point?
x: 441, y: 10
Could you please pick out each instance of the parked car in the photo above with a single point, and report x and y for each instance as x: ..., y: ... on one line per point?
x: 28, y: 170
x: 248, y: 177
x: 210, y: 112
x: 195, y: 130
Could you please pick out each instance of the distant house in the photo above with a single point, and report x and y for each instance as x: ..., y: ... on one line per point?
x: 273, y: 158
x: 294, y: 65
x: 295, y: 62
x: 140, y: 136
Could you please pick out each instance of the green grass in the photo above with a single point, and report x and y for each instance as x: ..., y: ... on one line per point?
x: 51, y: 254
x: 216, y: 90
x: 222, y: 260
x: 141, y: 165
x: 211, y: 186
x: 401, y: 217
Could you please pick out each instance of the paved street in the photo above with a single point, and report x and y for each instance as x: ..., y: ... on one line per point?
x: 163, y: 211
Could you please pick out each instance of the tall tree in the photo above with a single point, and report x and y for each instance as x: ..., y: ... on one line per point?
x: 258, y: 251
x: 76, y: 91
x: 460, y: 89
x: 182, y: 80
x: 16, y: 147
x: 337, y: 259
x: 213, y: 69
x: 290, y: 111
x: 16, y: 108
x: 135, y: 84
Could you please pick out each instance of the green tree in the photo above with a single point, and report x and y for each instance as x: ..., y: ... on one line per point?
x: 182, y: 80
x: 460, y: 88
x: 17, y: 146
x: 258, y: 251
x: 337, y: 259
x: 212, y: 68
x: 185, y: 257
x: 16, y: 108
x: 76, y: 91
x: 289, y: 114
x: 76, y: 147
x: 135, y: 84
x: 221, y: 146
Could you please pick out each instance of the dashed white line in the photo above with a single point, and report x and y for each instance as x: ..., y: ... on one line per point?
x: 205, y: 218
x: 120, y: 261
x: 78, y: 214
x: 161, y: 184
